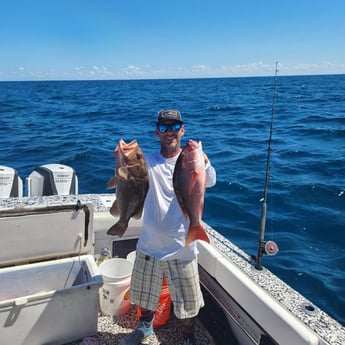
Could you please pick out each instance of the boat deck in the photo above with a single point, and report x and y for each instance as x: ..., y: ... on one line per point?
x: 292, y: 306
x: 112, y: 329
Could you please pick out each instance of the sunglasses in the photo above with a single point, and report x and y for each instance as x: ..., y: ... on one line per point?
x: 163, y: 128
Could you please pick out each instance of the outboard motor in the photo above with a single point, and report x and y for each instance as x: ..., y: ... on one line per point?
x: 11, y: 185
x: 52, y: 179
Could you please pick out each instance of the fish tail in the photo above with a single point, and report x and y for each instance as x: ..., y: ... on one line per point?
x: 196, y: 232
x: 118, y: 229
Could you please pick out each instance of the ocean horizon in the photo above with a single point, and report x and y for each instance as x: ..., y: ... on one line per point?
x: 170, y: 78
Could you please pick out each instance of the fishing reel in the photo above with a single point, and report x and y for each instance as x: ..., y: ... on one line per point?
x: 270, y: 248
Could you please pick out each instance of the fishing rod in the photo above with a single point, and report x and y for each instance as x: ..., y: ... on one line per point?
x: 269, y: 247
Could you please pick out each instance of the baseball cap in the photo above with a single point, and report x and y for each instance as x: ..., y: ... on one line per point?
x: 169, y: 115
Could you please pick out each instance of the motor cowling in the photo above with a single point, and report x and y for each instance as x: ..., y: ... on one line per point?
x: 11, y: 185
x: 52, y: 179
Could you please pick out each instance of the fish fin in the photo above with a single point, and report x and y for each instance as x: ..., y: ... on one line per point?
x: 196, y: 232
x: 184, y: 210
x: 118, y: 229
x: 138, y: 213
x: 112, y: 183
x: 114, y: 210
x: 185, y: 213
x: 123, y: 172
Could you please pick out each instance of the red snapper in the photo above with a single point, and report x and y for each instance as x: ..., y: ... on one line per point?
x: 189, y: 182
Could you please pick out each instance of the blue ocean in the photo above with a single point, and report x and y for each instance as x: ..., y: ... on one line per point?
x: 79, y: 123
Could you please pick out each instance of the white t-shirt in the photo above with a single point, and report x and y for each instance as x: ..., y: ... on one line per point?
x: 164, y: 225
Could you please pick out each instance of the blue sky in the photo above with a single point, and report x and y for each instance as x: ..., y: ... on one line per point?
x: 130, y: 39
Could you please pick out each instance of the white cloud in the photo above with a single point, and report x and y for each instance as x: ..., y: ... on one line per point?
x: 132, y: 70
x: 323, y: 67
x: 200, y: 69
x: 263, y: 69
x: 94, y: 71
x: 101, y: 71
x: 253, y: 68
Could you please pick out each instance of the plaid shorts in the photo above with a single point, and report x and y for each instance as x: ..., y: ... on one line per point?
x: 183, y: 283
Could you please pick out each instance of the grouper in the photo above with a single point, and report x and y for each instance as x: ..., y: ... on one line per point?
x: 131, y: 183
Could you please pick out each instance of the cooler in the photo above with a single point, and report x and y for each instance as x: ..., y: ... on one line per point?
x: 49, y: 285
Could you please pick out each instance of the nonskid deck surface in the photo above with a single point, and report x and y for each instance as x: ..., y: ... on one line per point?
x: 112, y: 329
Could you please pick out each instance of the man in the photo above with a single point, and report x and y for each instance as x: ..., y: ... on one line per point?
x: 161, y: 247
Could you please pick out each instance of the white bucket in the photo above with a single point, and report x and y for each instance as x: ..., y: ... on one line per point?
x: 114, y: 294
x: 131, y: 256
